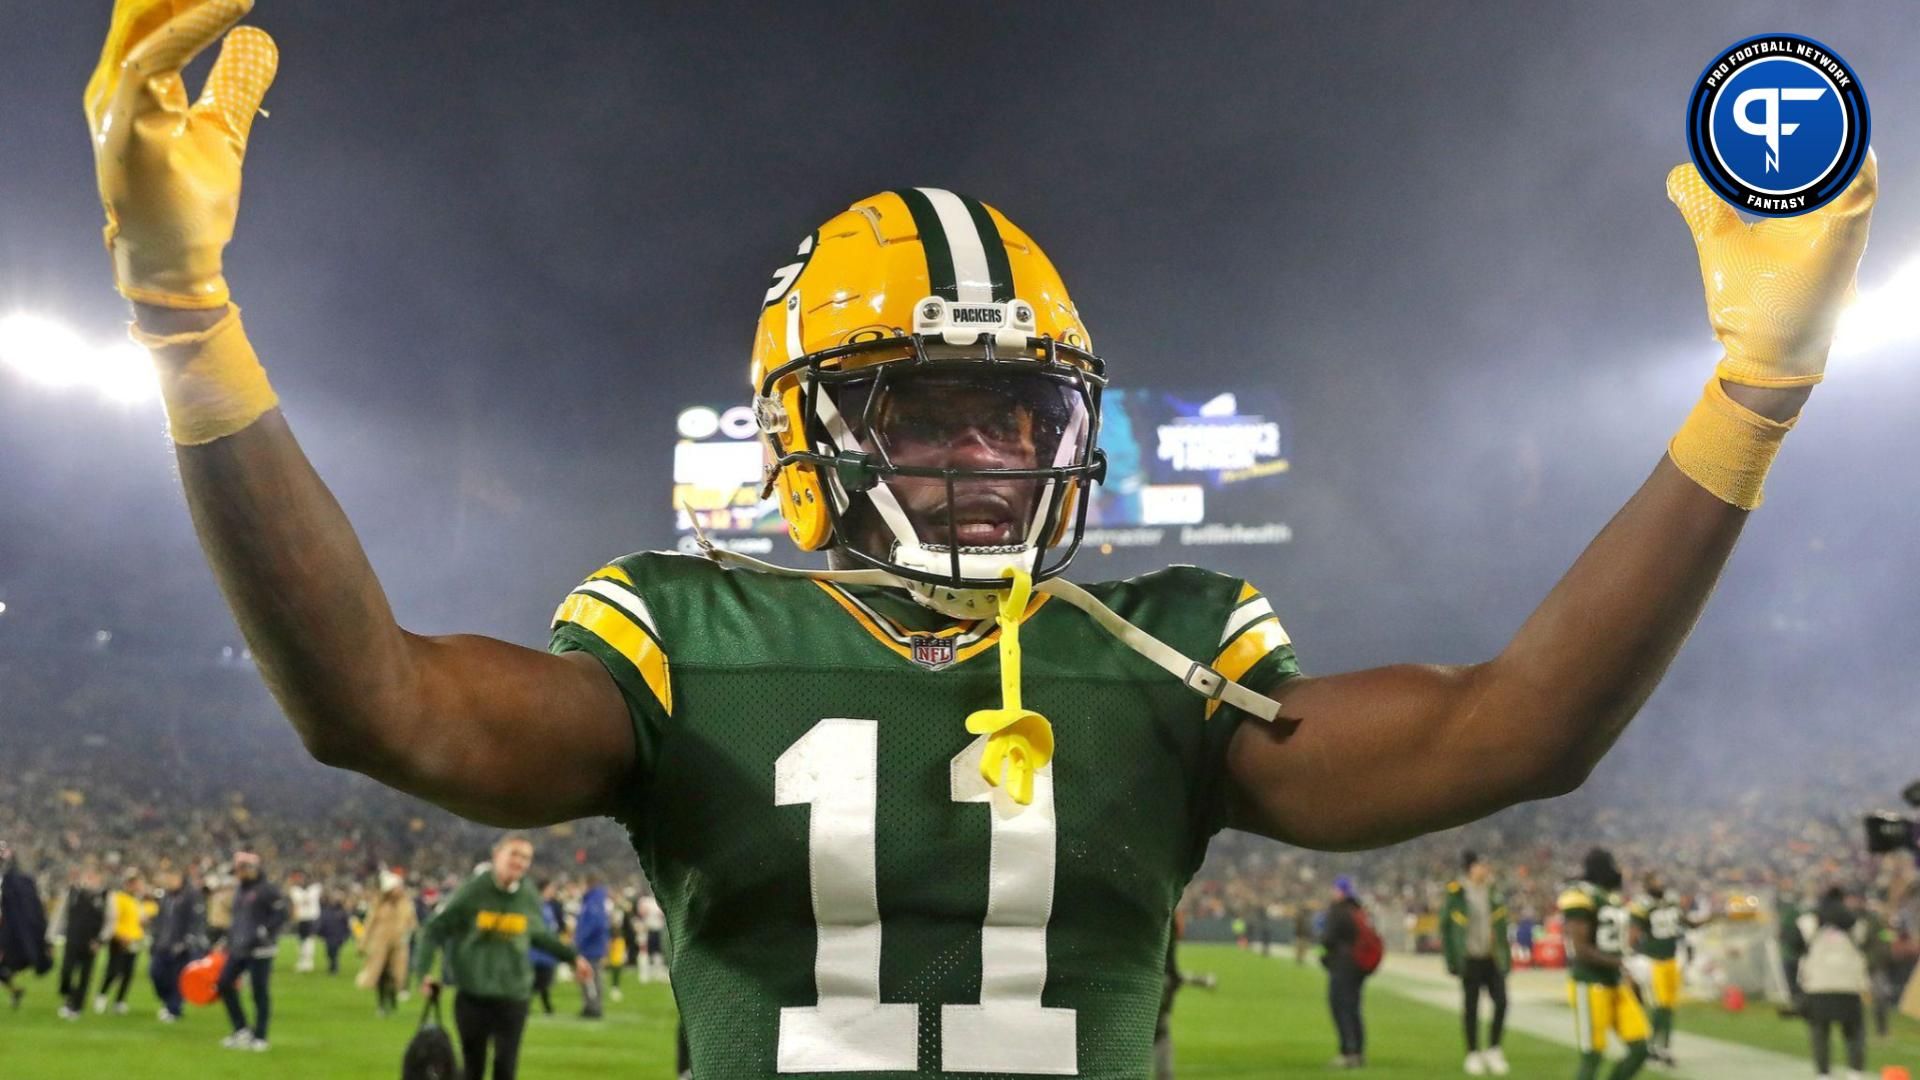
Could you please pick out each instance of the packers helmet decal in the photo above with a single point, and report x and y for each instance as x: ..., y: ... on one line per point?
x: 914, y: 322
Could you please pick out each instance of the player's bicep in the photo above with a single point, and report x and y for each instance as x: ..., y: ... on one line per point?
x: 515, y: 736
x: 1376, y: 756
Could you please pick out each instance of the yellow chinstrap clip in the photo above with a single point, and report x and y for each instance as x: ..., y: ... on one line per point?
x: 1020, y: 741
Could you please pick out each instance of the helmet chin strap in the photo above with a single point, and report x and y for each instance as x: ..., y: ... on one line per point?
x: 1196, y: 676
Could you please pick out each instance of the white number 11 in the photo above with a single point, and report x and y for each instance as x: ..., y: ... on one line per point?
x: 834, y: 768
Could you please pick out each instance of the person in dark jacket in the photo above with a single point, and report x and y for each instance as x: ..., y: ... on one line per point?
x: 544, y: 962
x: 23, y: 927
x: 1344, y: 977
x: 335, y: 928
x: 83, y: 917
x: 179, y: 938
x: 259, y: 914
x: 592, y: 938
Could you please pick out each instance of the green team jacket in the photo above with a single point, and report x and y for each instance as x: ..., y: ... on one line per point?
x: 486, y: 930
x: 843, y: 889
x: 1454, y: 918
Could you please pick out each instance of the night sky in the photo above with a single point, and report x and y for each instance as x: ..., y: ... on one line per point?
x: 488, y: 250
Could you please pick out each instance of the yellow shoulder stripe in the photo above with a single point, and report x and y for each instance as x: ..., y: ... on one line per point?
x: 1574, y: 898
x: 624, y: 636
x: 1254, y: 642
x: 1247, y: 592
x: 617, y: 574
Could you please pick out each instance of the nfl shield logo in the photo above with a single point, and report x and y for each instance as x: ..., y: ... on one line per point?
x: 932, y: 653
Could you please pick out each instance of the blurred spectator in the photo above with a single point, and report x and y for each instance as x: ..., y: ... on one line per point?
x: 23, y: 928
x: 626, y: 939
x: 334, y: 928
x: 653, y: 919
x: 592, y: 937
x: 259, y: 914
x: 1345, y: 979
x: 220, y: 890
x: 303, y: 902
x: 544, y: 962
x: 83, y: 919
x: 384, y: 943
x: 488, y: 926
x: 1833, y: 980
x: 126, y: 932
x: 1473, y: 932
x: 179, y: 938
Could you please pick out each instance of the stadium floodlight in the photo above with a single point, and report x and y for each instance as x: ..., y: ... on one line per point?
x: 49, y: 353
x: 1881, y: 316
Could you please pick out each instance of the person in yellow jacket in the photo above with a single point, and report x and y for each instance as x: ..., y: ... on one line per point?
x: 125, y: 933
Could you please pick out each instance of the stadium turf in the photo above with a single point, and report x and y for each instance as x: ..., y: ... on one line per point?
x: 1762, y: 1026
x: 1267, y: 1018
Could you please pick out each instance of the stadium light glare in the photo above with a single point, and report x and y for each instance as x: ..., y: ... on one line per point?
x: 51, y: 354
x: 1881, y: 316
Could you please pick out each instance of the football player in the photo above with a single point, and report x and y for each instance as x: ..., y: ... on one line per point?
x: 1602, y: 997
x: 928, y: 812
x: 1659, y: 924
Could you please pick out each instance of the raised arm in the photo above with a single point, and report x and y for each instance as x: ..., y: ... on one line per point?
x: 490, y: 730
x: 1389, y: 753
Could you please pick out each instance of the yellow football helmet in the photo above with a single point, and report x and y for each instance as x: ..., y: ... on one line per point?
x: 914, y: 322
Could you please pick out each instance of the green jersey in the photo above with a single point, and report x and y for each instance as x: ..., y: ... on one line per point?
x: 487, y: 930
x: 1661, y: 925
x: 1586, y: 902
x: 843, y: 889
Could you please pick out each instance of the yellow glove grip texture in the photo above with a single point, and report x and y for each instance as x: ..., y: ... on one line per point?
x: 211, y: 380
x: 1775, y: 288
x: 1727, y: 448
x: 169, y: 174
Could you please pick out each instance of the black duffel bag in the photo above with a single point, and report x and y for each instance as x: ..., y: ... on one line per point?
x: 430, y: 1054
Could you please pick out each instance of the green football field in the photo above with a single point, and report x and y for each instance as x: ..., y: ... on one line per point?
x: 1267, y: 1018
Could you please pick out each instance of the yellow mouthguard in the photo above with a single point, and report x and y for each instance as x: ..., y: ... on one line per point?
x: 1020, y: 741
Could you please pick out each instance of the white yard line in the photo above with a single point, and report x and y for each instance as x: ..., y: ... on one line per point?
x: 1537, y: 1005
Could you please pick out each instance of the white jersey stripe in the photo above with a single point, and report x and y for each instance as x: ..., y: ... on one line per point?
x: 1258, y: 608
x: 623, y: 598
x: 974, y: 283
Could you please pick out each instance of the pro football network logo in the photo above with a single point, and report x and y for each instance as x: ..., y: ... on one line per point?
x: 932, y: 653
x: 1778, y: 124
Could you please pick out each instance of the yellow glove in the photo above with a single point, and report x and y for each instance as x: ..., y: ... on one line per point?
x: 169, y: 174
x: 1775, y: 288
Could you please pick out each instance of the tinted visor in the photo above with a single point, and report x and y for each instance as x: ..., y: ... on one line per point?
x: 972, y: 451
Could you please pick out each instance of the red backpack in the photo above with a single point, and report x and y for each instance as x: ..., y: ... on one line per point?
x: 1368, y: 949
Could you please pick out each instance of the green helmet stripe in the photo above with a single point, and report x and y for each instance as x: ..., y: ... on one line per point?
x: 941, y: 277
x: 999, y: 268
